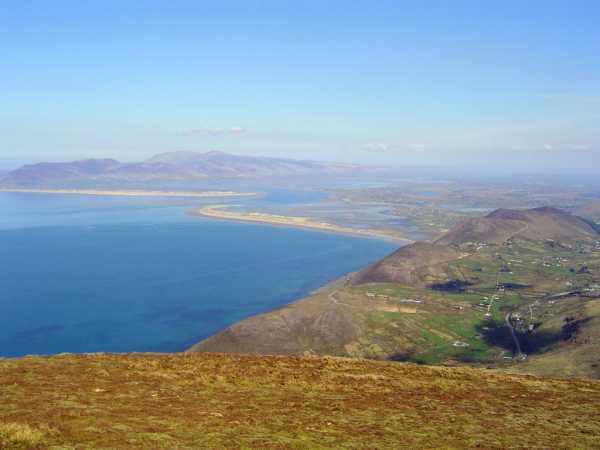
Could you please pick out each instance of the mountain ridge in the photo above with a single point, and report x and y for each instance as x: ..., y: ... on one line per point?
x: 170, y: 166
x: 501, y: 224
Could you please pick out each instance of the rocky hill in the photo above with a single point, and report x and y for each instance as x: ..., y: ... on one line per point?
x: 174, y: 166
x: 191, y: 401
x: 456, y: 301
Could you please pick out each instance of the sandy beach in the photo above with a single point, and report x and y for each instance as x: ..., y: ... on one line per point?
x: 221, y: 212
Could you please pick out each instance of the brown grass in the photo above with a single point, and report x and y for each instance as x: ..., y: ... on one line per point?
x: 235, y: 401
x: 18, y: 435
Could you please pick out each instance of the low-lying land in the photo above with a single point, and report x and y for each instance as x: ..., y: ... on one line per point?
x: 220, y: 212
x: 233, y: 401
x: 131, y: 193
x: 426, y: 208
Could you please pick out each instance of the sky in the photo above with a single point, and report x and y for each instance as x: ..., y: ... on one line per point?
x: 473, y: 84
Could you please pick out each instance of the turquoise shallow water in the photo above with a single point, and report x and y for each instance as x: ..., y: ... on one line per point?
x: 82, y: 274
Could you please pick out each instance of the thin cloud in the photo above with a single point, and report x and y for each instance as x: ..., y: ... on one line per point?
x: 206, y: 131
x: 417, y: 147
x: 382, y: 147
x: 552, y: 148
x: 377, y: 147
x: 566, y: 148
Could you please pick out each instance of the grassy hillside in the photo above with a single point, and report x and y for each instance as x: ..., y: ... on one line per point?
x: 232, y: 401
x: 455, y: 303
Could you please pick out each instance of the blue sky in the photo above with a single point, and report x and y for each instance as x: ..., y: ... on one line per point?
x: 447, y: 83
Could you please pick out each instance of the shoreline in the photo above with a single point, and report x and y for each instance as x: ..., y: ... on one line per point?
x: 220, y: 212
x: 132, y: 193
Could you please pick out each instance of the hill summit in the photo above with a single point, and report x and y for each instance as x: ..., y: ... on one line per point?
x: 502, y: 224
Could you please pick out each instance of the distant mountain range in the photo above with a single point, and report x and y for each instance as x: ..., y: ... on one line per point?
x: 173, y: 166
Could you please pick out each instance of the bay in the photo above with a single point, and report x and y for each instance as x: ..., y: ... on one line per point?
x: 87, y: 274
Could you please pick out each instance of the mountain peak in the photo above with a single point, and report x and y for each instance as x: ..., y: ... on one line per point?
x: 170, y: 157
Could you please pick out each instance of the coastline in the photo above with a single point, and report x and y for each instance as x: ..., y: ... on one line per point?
x: 132, y: 193
x: 220, y: 212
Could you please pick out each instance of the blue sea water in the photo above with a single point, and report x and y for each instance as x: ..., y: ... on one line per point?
x: 83, y: 274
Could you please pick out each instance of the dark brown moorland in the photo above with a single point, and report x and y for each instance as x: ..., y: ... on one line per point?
x: 233, y: 401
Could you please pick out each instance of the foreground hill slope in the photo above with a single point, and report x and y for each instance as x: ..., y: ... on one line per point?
x: 234, y: 401
x: 518, y: 290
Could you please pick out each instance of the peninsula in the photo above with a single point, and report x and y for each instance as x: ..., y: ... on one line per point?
x: 221, y: 212
x: 133, y: 193
x: 515, y: 289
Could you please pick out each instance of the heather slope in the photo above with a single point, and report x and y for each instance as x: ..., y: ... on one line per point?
x: 412, y: 264
x: 234, y: 401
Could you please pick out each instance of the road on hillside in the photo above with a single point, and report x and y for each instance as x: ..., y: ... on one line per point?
x: 331, y: 297
x: 513, y: 334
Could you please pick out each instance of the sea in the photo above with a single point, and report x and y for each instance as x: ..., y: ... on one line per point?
x: 121, y: 274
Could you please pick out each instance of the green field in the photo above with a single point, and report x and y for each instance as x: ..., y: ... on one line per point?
x: 467, y: 325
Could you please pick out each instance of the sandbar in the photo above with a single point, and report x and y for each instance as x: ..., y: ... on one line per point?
x: 221, y: 212
x: 133, y: 193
